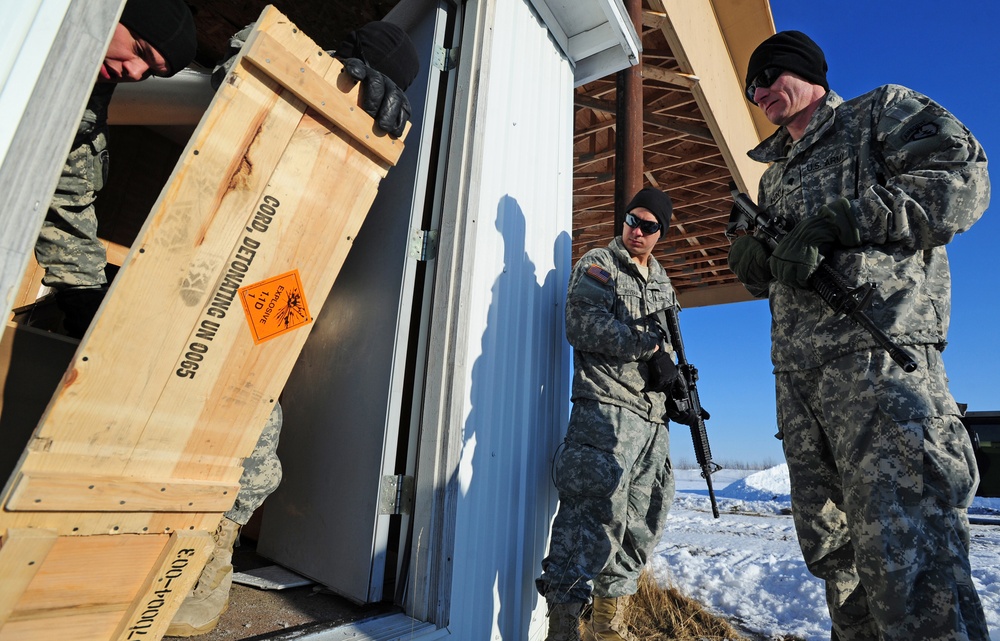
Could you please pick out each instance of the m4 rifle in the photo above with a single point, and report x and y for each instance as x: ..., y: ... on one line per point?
x: 684, y: 395
x: 747, y: 217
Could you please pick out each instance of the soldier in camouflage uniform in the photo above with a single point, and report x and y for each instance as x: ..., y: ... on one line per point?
x: 613, y: 471
x: 153, y: 38
x: 201, y: 610
x: 882, y: 469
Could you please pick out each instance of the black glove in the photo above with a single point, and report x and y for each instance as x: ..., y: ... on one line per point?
x: 662, y: 372
x: 799, y: 253
x: 679, y: 411
x: 380, y: 97
x: 748, y: 260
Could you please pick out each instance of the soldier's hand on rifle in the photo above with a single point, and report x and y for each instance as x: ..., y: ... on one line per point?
x: 748, y: 258
x: 800, y: 252
x: 662, y: 372
x: 678, y: 403
x: 680, y: 412
x: 380, y: 97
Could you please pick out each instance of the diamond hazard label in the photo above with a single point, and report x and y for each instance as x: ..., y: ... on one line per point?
x: 275, y: 306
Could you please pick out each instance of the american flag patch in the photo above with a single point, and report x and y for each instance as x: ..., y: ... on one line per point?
x: 598, y: 273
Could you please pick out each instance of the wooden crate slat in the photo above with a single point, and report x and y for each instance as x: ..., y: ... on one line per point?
x: 22, y: 553
x: 172, y: 579
x: 93, y: 625
x: 62, y: 493
x: 339, y: 106
x: 85, y: 584
x: 82, y: 571
x: 98, y: 523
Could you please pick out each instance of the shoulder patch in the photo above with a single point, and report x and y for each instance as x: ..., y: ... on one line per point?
x: 920, y: 131
x: 598, y: 273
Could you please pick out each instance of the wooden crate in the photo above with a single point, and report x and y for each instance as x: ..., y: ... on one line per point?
x: 107, y: 518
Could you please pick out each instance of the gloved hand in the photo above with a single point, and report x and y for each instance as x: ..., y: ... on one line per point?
x: 800, y: 252
x: 662, y: 372
x: 678, y: 408
x: 681, y: 412
x: 380, y: 97
x: 748, y: 260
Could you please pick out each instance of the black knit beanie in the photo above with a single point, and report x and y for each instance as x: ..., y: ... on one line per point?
x: 167, y: 25
x: 791, y: 51
x: 384, y: 47
x: 655, y: 201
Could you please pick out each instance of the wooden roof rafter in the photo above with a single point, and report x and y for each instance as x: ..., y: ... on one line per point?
x: 680, y: 151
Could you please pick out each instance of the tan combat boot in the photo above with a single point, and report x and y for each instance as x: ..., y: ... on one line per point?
x: 607, y: 621
x: 564, y: 622
x: 201, y: 610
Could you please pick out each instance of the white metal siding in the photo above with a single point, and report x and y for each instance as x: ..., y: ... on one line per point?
x: 49, y: 57
x: 518, y: 384
x: 25, y: 38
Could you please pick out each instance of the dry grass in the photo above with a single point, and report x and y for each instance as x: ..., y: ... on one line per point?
x: 655, y: 613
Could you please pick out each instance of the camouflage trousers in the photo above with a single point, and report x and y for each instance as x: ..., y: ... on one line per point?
x: 615, y: 487
x: 261, y: 471
x: 67, y: 246
x: 882, y: 470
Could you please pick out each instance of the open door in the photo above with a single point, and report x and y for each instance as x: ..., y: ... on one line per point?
x: 335, y: 517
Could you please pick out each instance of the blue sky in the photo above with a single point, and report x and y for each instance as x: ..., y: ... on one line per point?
x: 950, y: 52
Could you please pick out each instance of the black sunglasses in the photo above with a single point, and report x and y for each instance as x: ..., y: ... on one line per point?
x: 763, y: 80
x: 647, y: 226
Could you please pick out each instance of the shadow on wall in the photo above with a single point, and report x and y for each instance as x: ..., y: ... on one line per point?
x: 520, y: 405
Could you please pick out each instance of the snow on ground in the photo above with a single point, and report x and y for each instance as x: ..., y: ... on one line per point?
x: 747, y: 566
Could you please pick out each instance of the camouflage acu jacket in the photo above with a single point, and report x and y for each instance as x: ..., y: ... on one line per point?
x: 915, y: 177
x: 607, y: 322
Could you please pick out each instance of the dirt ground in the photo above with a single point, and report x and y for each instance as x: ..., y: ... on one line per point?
x: 256, y: 614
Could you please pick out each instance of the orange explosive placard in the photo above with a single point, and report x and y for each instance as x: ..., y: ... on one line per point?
x: 275, y: 306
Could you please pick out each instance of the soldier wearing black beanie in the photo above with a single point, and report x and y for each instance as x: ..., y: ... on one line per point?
x: 872, y: 188
x: 656, y: 202
x: 789, y: 51
x: 167, y: 25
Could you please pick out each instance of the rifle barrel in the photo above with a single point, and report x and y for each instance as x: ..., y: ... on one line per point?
x: 699, y: 434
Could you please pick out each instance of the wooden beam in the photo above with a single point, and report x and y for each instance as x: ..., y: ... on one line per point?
x: 693, y: 32
x: 653, y: 19
x: 677, y: 78
x: 40, y: 492
x: 713, y: 294
x: 684, y: 249
x: 652, y: 119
